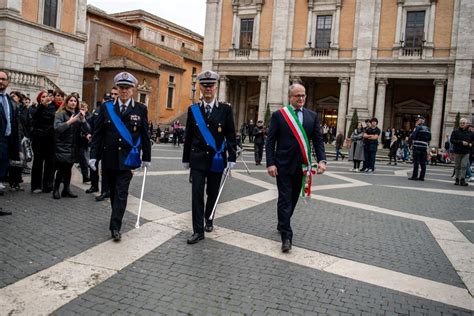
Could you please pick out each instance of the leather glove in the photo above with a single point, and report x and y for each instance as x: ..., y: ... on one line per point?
x: 186, y: 165
x: 146, y: 164
x: 92, y: 164
x: 230, y: 164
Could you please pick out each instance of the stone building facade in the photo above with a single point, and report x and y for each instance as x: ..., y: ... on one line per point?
x: 392, y: 59
x: 163, y: 57
x: 42, y: 44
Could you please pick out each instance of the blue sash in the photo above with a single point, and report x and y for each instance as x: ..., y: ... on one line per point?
x: 217, y: 162
x: 133, y: 160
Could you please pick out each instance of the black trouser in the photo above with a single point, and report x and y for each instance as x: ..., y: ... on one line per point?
x: 42, y: 172
x: 365, y: 163
x: 63, y: 174
x: 289, y: 190
x: 419, y: 159
x: 371, y: 155
x: 258, y: 150
x: 200, y: 178
x: 119, y: 181
x: 356, y: 164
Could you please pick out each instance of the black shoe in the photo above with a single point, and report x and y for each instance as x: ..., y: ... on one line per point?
x: 56, y: 195
x: 5, y: 213
x: 411, y: 178
x: 102, y: 197
x: 463, y: 183
x: 456, y: 182
x: 86, y: 180
x: 92, y: 189
x: 209, y: 227
x: 195, y: 238
x: 421, y: 179
x: 47, y: 190
x: 116, y: 235
x: 67, y: 193
x: 286, y: 245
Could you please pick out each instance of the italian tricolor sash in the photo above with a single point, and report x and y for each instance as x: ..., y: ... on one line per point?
x: 300, y: 134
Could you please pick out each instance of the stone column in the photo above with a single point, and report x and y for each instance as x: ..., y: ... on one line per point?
x: 256, y: 36
x: 210, y: 31
x: 337, y: 22
x: 262, y: 102
x: 81, y: 17
x: 436, y: 114
x: 399, y: 22
x: 342, y: 109
x: 431, y: 25
x: 309, y: 26
x: 223, y: 88
x: 380, y: 103
x: 365, y: 37
x: 242, y: 102
x: 280, y: 33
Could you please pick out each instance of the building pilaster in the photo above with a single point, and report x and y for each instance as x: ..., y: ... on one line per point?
x: 436, y: 115
x: 262, y: 102
x: 341, y: 111
x: 380, y: 103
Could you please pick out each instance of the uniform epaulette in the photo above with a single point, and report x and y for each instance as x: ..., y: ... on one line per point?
x: 225, y: 103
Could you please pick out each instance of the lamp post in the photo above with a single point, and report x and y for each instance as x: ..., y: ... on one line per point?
x: 193, y: 85
x: 96, y: 80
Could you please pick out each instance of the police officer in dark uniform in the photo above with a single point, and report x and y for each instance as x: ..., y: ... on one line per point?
x: 421, y: 138
x: 111, y: 146
x: 198, y: 154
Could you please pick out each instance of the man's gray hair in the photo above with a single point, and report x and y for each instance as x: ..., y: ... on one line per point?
x: 292, y: 87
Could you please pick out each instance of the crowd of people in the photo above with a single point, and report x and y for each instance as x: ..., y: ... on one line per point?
x: 50, y: 134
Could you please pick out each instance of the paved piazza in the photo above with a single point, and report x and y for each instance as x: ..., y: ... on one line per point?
x: 363, y: 245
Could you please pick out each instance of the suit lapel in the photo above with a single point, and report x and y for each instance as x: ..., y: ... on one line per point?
x: 307, y: 121
x: 215, y: 111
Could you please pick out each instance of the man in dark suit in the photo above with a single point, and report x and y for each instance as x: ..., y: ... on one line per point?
x: 112, y: 146
x: 285, y: 158
x: 9, y: 137
x: 199, y: 155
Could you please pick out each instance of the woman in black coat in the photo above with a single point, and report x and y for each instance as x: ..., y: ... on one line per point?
x: 42, y: 138
x: 69, y: 122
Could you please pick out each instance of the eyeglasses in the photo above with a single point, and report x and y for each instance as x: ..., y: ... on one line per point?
x: 3, y: 79
x: 299, y: 96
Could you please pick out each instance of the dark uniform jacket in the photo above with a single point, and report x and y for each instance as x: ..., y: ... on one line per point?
x: 107, y: 143
x: 421, y: 137
x: 287, y: 156
x: 221, y: 125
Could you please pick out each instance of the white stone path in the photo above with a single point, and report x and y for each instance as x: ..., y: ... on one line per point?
x: 54, y: 287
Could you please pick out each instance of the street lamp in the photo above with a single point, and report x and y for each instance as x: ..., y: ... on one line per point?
x: 193, y: 85
x: 96, y: 80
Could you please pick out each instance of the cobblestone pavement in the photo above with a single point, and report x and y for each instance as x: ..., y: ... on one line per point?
x: 364, y: 245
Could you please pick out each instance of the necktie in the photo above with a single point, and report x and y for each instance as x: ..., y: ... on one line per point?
x: 299, y: 115
x: 6, y: 110
x: 123, y: 108
x: 208, y: 110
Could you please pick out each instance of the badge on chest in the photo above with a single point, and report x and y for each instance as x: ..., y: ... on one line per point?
x: 135, y: 121
x: 219, y: 129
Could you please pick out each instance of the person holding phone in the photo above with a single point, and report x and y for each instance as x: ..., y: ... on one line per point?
x: 69, y: 122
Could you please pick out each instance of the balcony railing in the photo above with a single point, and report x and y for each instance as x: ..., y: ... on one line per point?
x: 320, y: 52
x: 31, y: 80
x: 412, y: 51
x: 242, y: 52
